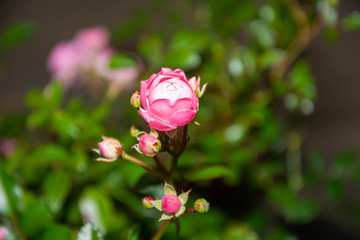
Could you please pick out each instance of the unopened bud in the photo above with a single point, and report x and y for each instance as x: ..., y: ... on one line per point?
x: 201, y: 205
x: 134, y: 131
x: 135, y: 99
x: 110, y: 148
x: 148, y: 145
x: 146, y: 202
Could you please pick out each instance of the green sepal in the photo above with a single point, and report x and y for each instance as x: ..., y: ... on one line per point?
x: 180, y: 211
x: 156, y: 204
x: 168, y: 189
x: 165, y: 216
x: 184, y: 197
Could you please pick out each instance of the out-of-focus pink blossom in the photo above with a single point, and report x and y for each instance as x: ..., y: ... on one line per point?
x: 92, y: 39
x: 117, y: 77
x: 87, y: 58
x: 3, y: 233
x: 65, y: 62
x: 168, y: 101
x: 7, y: 146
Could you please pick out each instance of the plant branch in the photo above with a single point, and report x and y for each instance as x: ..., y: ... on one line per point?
x: 130, y: 158
x: 305, y: 35
x: 161, y: 230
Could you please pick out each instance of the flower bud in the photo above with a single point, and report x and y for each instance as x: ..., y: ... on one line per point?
x: 201, y: 205
x: 146, y: 202
x: 148, y: 145
x: 110, y: 148
x: 170, y: 204
x: 134, y: 131
x: 135, y: 99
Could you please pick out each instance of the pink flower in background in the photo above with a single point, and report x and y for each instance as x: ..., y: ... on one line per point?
x: 119, y: 78
x: 64, y: 62
x: 87, y: 58
x: 92, y: 39
x: 3, y: 233
x: 7, y: 146
x: 168, y: 100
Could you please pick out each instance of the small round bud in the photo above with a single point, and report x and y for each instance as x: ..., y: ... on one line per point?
x: 149, y: 144
x: 201, y: 205
x: 146, y: 202
x: 170, y: 204
x: 134, y: 131
x: 135, y: 99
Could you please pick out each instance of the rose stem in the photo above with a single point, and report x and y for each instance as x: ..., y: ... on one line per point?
x: 161, y: 230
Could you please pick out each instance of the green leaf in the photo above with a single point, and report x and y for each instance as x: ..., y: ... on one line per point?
x: 53, y: 94
x: 352, y: 21
x: 10, y: 193
x: 240, y: 231
x: 34, y: 98
x: 151, y: 47
x: 344, y: 164
x: 35, y: 217
x: 97, y: 208
x: 56, y: 232
x: 335, y: 189
x: 65, y: 125
x: 182, y: 58
x: 134, y: 232
x: 303, y: 80
x: 122, y: 60
x: 56, y: 187
x: 208, y: 173
x: 17, y: 34
x: 89, y: 232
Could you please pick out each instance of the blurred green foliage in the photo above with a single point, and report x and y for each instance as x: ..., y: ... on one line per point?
x: 245, y: 158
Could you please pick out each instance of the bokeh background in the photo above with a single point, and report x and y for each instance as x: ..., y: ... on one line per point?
x: 333, y: 128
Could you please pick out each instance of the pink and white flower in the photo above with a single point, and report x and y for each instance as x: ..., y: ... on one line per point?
x: 168, y: 100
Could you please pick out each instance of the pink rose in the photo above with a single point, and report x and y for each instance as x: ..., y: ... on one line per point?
x: 168, y: 101
x: 64, y: 62
x: 92, y: 39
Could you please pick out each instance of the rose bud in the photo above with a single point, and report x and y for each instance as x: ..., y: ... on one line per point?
x: 167, y: 100
x: 110, y: 148
x: 148, y: 145
x: 195, y: 84
x: 201, y: 205
x: 135, y: 99
x: 134, y: 131
x: 146, y: 202
x: 172, y: 205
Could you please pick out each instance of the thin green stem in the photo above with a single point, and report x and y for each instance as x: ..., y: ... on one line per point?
x: 130, y: 158
x: 161, y: 230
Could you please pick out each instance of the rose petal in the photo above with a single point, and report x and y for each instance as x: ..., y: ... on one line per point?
x: 182, y: 117
x: 161, y: 126
x: 143, y: 95
x: 145, y: 114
